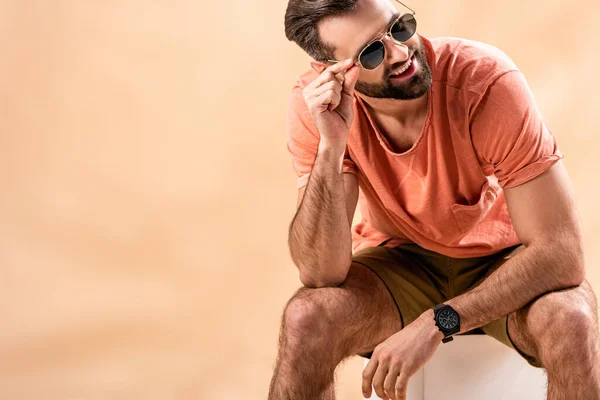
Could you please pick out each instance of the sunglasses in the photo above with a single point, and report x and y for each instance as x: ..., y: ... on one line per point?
x: 373, y: 54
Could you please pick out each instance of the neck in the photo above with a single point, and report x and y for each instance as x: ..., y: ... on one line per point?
x: 405, y: 112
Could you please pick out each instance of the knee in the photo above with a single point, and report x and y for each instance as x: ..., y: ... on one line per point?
x: 563, y: 325
x: 572, y: 324
x: 305, y: 315
x: 562, y: 318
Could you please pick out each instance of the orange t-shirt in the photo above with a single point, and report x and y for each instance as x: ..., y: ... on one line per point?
x: 483, y: 132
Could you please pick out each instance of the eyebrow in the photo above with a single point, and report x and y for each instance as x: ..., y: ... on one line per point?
x: 394, y: 17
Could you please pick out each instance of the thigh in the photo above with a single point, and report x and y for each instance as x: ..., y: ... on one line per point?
x: 354, y: 317
x: 380, y: 317
x: 409, y: 278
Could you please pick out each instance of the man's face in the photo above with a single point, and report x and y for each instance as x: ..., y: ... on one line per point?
x: 350, y: 33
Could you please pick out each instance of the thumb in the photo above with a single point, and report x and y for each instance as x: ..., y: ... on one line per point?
x: 350, y: 78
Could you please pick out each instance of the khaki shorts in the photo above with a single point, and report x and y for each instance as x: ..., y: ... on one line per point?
x: 418, y: 279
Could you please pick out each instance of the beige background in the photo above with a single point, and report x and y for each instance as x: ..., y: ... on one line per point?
x: 147, y: 189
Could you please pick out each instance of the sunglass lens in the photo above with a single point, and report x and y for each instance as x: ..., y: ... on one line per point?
x: 372, y: 56
x: 404, y: 28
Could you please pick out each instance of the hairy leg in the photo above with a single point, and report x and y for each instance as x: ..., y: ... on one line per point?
x: 321, y: 327
x: 560, y: 329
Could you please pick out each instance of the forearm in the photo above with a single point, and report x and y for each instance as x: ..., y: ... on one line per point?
x: 319, y: 236
x: 530, y: 273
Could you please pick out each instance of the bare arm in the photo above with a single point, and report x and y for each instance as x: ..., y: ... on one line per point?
x: 545, y: 219
x: 319, y: 236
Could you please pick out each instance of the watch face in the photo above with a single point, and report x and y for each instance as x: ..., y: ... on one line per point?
x: 448, y: 319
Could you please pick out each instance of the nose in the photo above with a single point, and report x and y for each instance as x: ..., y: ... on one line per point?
x: 395, y: 52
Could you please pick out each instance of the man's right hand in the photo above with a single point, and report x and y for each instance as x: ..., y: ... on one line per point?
x: 329, y: 99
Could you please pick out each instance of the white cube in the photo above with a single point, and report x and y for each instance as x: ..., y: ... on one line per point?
x: 475, y: 367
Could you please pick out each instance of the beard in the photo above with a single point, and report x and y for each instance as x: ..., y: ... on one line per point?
x: 407, y: 89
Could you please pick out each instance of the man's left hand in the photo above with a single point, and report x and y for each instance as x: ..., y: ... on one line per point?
x: 399, y: 357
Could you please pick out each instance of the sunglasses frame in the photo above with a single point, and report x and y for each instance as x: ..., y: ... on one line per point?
x: 387, y: 33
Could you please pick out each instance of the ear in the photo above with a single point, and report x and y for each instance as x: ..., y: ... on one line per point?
x: 318, y: 66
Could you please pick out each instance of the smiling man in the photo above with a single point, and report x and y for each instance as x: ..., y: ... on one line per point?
x: 468, y: 220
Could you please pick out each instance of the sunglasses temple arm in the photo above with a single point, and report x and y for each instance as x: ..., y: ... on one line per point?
x: 335, y: 62
x: 413, y: 11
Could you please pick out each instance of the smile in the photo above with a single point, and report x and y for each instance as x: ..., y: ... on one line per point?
x: 404, y: 68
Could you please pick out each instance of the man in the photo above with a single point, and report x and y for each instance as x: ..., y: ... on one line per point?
x: 468, y: 216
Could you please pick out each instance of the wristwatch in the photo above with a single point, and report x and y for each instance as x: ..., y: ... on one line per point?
x: 447, y: 320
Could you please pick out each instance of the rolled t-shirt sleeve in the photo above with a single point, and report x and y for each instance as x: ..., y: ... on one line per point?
x: 508, y: 132
x: 303, y: 139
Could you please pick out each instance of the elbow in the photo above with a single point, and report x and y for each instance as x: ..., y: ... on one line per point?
x: 574, y: 277
x: 576, y: 271
x: 569, y: 254
x: 315, y: 280
x: 316, y: 283
x: 577, y: 274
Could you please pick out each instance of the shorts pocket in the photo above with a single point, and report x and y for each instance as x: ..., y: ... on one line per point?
x: 469, y: 215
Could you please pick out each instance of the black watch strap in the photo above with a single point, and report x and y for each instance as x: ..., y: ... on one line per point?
x: 439, y: 306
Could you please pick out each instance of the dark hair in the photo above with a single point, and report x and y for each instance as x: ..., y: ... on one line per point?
x: 302, y: 17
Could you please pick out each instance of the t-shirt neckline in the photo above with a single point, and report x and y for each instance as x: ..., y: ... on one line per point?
x: 381, y: 138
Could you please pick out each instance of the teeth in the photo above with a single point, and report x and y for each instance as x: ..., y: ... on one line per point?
x: 403, y: 69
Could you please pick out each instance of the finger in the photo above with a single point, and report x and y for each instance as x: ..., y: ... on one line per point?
x: 367, y: 374
x: 328, y: 76
x: 320, y: 67
x: 331, y: 85
x: 340, y: 66
x: 378, y: 379
x: 401, y: 386
x: 329, y: 97
x: 350, y: 79
x: 324, y: 78
x: 328, y: 100
x: 389, y: 384
x: 340, y: 77
x: 334, y: 71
